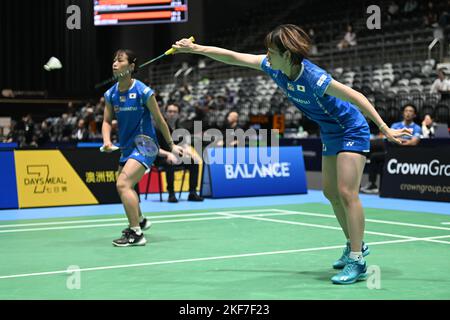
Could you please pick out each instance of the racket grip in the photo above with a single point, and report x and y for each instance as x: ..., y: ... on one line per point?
x: 172, y: 50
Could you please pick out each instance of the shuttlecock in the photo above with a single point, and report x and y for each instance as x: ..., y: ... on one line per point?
x: 52, y: 64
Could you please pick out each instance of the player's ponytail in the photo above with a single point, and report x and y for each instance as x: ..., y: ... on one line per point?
x: 292, y: 38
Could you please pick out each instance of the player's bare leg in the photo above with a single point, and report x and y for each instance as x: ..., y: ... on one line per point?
x: 350, y: 168
x: 128, y: 177
x: 331, y: 192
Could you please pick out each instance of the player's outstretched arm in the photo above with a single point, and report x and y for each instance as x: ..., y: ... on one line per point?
x: 223, y: 55
x: 343, y: 92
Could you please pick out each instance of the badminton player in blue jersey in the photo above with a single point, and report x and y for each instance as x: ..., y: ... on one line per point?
x: 338, y: 110
x: 134, y: 105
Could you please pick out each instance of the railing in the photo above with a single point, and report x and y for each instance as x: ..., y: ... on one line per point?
x: 431, y: 46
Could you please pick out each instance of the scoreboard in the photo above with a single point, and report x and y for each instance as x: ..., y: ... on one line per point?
x: 123, y: 12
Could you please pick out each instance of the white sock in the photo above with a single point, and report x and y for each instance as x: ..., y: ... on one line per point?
x: 141, y: 218
x: 137, y: 230
x: 356, y: 256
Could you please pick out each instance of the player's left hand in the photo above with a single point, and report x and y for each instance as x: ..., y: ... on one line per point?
x: 393, y: 135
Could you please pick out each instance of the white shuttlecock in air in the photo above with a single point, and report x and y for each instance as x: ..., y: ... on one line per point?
x: 53, y: 64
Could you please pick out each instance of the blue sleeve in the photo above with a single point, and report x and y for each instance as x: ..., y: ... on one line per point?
x: 107, y: 96
x: 417, y: 132
x: 265, y: 66
x: 147, y: 92
x: 318, y: 79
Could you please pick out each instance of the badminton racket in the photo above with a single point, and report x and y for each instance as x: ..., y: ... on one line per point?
x: 123, y: 74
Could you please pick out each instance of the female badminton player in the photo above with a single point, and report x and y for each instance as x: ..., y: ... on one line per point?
x: 134, y: 104
x: 337, y: 109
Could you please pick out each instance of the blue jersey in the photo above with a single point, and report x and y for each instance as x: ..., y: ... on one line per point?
x: 342, y: 125
x: 133, y: 116
x: 416, y: 129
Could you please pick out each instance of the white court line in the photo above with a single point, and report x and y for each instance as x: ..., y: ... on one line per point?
x: 121, y: 224
x: 224, y: 215
x: 23, y: 275
x: 325, y: 227
x: 445, y: 222
x: 369, y: 220
x: 168, y: 215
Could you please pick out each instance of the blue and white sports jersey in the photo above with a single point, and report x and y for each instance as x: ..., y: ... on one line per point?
x: 132, y: 114
x: 416, y: 129
x: 342, y: 125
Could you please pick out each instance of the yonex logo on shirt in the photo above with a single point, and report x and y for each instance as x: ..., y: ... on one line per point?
x: 132, y: 95
x: 321, y: 80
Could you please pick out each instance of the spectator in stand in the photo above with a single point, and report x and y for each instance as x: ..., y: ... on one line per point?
x: 349, y: 39
x: 169, y: 161
x: 114, y: 131
x: 378, y: 149
x: 427, y: 127
x: 392, y: 10
x: 431, y: 15
x: 81, y: 133
x: 312, y: 36
x: 12, y: 135
x: 410, y: 7
x: 441, y: 84
x: 231, y: 122
x: 26, y: 130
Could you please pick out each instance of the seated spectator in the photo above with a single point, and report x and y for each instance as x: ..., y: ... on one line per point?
x: 169, y: 161
x: 378, y: 150
x: 81, y: 133
x: 312, y: 37
x: 409, y: 7
x: 431, y: 16
x: 392, y: 10
x: 114, y: 131
x: 349, y: 39
x: 12, y: 135
x: 427, y: 127
x: 441, y: 84
x: 231, y: 122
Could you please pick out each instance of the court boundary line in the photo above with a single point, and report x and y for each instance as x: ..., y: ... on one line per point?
x: 86, y: 226
x: 23, y: 275
x: 328, y: 227
x: 168, y: 215
x: 424, y: 226
x: 229, y: 215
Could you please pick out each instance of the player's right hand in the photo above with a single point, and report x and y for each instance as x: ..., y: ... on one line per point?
x: 184, y: 46
x: 107, y: 147
x: 395, y: 136
x: 172, y: 159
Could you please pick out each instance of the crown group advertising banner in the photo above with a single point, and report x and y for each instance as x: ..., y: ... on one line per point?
x: 68, y: 177
x: 417, y: 173
x: 252, y: 171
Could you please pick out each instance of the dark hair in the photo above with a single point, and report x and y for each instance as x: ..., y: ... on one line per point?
x: 409, y: 105
x: 172, y: 104
x: 292, y: 38
x: 131, y: 57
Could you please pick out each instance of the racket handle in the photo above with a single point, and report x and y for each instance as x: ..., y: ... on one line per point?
x: 172, y: 50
